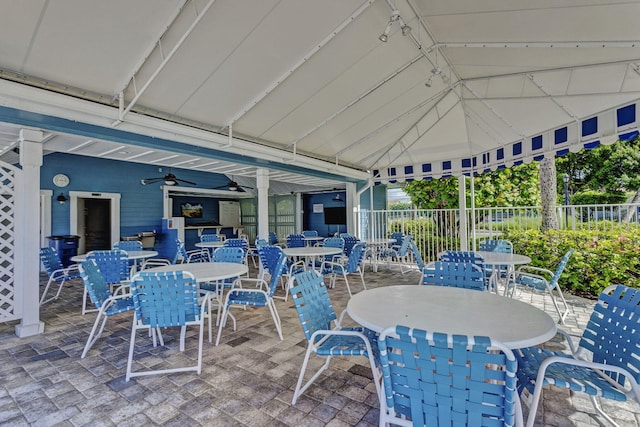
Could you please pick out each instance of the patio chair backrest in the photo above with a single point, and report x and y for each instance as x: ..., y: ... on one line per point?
x: 355, y: 258
x: 310, y: 233
x: 349, y: 242
x: 228, y: 254
x: 113, y: 264
x: 417, y: 256
x: 563, y: 263
x: 404, y: 246
x: 440, y: 379
x: 261, y: 242
x: 496, y: 245
x: 237, y: 243
x: 97, y: 287
x: 611, y: 334
x: 312, y: 302
x: 277, y: 269
x: 165, y: 299
x: 128, y: 245
x: 209, y: 237
x: 273, y: 238
x: 333, y: 242
x: 295, y: 241
x: 50, y: 260
x: 397, y: 236
x: 455, y: 274
x: 462, y: 256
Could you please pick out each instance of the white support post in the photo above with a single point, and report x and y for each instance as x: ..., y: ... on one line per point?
x: 262, y: 182
x: 27, y: 219
x: 351, y: 203
x: 462, y: 217
x: 299, y: 213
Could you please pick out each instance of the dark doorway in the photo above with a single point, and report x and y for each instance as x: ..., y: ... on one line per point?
x: 97, y: 220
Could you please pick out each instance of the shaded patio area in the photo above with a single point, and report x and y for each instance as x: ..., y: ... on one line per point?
x: 248, y: 380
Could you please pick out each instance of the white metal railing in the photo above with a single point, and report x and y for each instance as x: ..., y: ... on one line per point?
x: 437, y: 229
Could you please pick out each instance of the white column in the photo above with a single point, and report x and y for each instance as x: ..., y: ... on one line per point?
x: 299, y: 213
x: 351, y: 202
x: 262, y: 182
x: 27, y: 219
x: 462, y: 202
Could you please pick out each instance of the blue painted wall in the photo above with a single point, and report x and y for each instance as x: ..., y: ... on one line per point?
x: 140, y: 205
x: 315, y: 221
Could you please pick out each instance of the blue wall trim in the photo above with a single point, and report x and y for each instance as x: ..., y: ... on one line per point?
x: 52, y: 123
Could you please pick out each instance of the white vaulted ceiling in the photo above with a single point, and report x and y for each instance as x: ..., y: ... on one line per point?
x: 307, y: 83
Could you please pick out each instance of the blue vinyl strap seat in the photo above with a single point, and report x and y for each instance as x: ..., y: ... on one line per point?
x: 106, y: 302
x: 316, y: 315
x: 436, y: 379
x: 56, y: 271
x: 295, y: 241
x: 606, y: 362
x: 163, y: 300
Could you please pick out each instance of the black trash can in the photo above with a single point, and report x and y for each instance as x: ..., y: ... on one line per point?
x: 66, y: 245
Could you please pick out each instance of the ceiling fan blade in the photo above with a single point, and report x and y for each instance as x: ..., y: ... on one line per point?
x: 151, y: 180
x: 185, y: 181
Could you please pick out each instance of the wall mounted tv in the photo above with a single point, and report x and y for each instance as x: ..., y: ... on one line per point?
x: 334, y: 216
x: 191, y: 210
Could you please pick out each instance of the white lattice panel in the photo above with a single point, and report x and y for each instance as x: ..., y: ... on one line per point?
x: 7, y: 242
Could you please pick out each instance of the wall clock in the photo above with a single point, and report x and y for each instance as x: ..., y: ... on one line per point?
x: 61, y: 180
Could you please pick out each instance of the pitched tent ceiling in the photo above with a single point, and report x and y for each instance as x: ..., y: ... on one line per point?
x: 464, y: 86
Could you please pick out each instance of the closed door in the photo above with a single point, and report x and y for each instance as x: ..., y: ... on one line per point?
x: 97, y: 224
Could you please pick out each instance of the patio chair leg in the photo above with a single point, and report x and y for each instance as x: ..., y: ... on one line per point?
x: 301, y: 389
x: 93, y: 336
x: 46, y: 289
x: 131, y: 346
x: 276, y: 318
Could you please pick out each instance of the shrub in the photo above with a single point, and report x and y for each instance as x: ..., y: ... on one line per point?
x: 601, y: 258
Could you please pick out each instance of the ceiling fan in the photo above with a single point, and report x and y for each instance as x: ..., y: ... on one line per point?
x: 232, y: 186
x: 169, y: 179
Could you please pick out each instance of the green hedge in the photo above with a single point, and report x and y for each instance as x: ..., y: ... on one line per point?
x: 601, y: 258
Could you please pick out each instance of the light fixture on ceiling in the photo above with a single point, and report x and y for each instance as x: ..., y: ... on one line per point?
x: 233, y: 186
x: 337, y: 198
x: 62, y: 199
x: 437, y: 71
x: 170, y: 181
x: 636, y: 68
x: 406, y: 30
x: 395, y: 15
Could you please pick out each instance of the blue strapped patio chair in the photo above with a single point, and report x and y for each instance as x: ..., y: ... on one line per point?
x: 115, y: 268
x: 454, y: 274
x: 333, y: 242
x: 352, y: 266
x: 295, y: 241
x: 252, y: 251
x: 496, y: 272
x: 273, y: 239
x: 349, y: 242
x: 106, y: 303
x: 543, y: 281
x: 163, y: 300
x: 238, y: 243
x: 269, y: 257
x: 210, y: 237
x: 310, y: 233
x: 400, y: 254
x: 466, y: 257
x: 436, y: 379
x: 316, y: 315
x: 606, y: 362
x: 56, y: 271
x: 196, y: 255
x: 260, y: 296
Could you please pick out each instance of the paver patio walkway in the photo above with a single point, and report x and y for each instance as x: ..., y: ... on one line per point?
x: 246, y: 381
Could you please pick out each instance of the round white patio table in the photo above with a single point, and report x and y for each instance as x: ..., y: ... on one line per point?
x: 133, y: 255
x: 310, y: 252
x: 205, y: 271
x: 497, y: 259
x: 374, y: 245
x: 452, y: 311
x: 216, y: 244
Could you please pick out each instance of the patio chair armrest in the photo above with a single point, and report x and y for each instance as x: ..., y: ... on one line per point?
x: 529, y: 269
x: 531, y: 275
x: 123, y: 290
x: 259, y: 282
x: 599, y: 367
x: 206, y: 297
x: 569, y: 339
x: 72, y: 267
x: 296, y: 265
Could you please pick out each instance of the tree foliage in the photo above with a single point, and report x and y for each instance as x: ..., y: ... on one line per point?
x: 516, y: 186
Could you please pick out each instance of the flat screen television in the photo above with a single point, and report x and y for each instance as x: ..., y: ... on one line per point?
x: 335, y: 216
x: 191, y: 210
